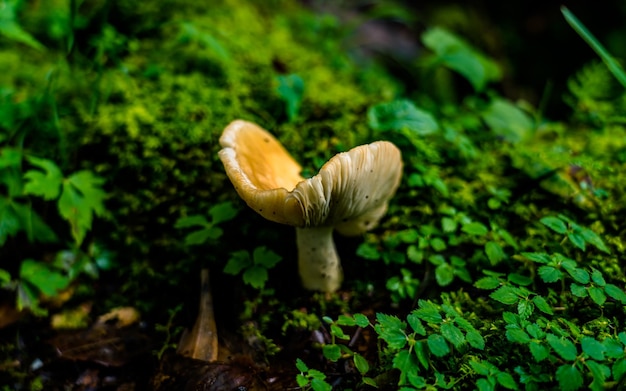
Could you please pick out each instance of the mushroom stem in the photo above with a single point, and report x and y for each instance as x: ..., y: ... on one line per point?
x: 318, y: 262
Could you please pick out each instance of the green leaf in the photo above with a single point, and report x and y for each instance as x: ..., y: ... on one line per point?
x: 405, y: 361
x: 562, y: 346
x: 600, y: 373
x: 597, y: 295
x: 361, y: 364
x: 255, y: 276
x: 421, y: 353
x: 452, y: 334
x: 578, y: 274
x: 82, y: 196
x: 615, y: 292
x: 302, y: 367
x: 369, y: 381
x: 368, y: 251
x: 549, y: 273
x: 506, y: 380
x: 46, y: 184
x: 401, y: 115
x: 519, y: 279
x: 494, y: 252
x: 555, y: 224
x: 344, y: 320
x: 538, y: 257
x: 542, y: 305
x: 539, y: 351
x: 438, y: 244
x: 415, y: 323
x: 577, y: 239
x: 593, y: 348
x: 46, y: 279
x: 482, y: 368
x: 506, y: 294
x: 203, y: 235
x: 264, y: 257
x: 444, y: 274
x: 191, y: 221
x: 437, y: 345
x: 428, y: 312
x: 535, y: 331
x: 508, y: 121
x: 414, y: 254
x: 475, y: 340
x: 291, y: 91
x: 569, y: 378
x: 475, y: 228
x: 613, y: 348
x: 597, y: 277
x: 578, y: 290
x: 332, y: 352
x: 448, y: 224
x: 592, y: 238
x: 486, y: 384
x: 517, y: 335
x: 238, y: 261
x: 457, y: 55
x: 320, y: 385
x: 338, y: 332
x: 619, y: 369
x: 224, y: 211
x: 487, y: 283
x: 525, y: 308
x: 391, y: 330
x: 302, y: 380
x: 361, y: 320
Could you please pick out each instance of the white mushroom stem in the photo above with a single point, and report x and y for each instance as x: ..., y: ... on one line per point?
x: 318, y: 262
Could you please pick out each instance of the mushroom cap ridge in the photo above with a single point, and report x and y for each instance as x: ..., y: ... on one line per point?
x: 350, y: 192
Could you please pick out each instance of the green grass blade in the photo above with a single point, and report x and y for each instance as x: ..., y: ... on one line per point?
x: 610, y: 62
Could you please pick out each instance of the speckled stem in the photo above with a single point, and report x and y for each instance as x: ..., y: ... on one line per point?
x: 318, y: 262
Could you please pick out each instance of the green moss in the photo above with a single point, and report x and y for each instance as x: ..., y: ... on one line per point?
x: 146, y: 112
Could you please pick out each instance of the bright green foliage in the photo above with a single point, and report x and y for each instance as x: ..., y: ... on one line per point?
x: 576, y: 234
x: 507, y: 226
x: 311, y: 379
x: 81, y: 194
x: 209, y: 231
x: 452, y: 52
x: 401, y: 116
x: 254, y: 267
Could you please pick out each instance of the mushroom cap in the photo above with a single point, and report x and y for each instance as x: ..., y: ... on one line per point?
x: 350, y: 192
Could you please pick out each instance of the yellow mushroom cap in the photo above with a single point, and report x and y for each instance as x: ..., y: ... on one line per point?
x: 350, y: 192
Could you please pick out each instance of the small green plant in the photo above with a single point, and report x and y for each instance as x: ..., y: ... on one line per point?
x: 578, y: 235
x: 254, y: 266
x: 169, y: 330
x: 311, y: 379
x: 207, y: 230
x: 78, y: 197
x: 335, y: 351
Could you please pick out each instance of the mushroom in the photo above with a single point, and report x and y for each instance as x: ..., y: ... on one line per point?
x: 350, y: 194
